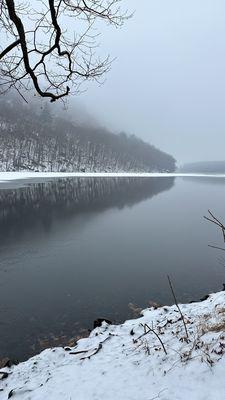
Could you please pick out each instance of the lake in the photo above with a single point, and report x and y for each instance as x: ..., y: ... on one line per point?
x: 73, y: 250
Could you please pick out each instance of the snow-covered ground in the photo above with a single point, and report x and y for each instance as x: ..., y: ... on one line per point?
x: 143, y: 359
x: 8, y: 176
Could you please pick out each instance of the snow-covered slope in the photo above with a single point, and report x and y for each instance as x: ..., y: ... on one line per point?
x: 39, y: 141
x: 143, y: 359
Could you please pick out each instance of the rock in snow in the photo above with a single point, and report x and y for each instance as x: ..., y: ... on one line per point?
x: 143, y: 359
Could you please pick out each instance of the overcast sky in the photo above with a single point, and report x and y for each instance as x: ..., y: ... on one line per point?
x: 168, y: 82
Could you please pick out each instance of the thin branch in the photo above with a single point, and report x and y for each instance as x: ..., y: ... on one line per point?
x: 152, y: 331
x: 9, y: 48
x: 21, y: 32
x: 217, y: 222
x: 215, y: 247
x: 94, y: 351
x: 156, y: 334
x: 97, y: 349
x: 66, y: 58
x: 177, y: 305
x: 158, y: 395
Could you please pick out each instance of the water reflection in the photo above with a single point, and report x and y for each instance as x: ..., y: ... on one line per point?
x: 63, y: 258
x: 38, y: 205
x: 207, y: 180
x: 74, y: 250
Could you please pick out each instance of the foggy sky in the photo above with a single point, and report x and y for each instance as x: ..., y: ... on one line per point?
x: 167, y: 85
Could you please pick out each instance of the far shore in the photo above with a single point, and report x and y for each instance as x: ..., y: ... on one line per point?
x: 25, y: 175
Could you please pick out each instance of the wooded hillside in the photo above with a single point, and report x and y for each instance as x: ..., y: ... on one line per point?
x: 34, y: 139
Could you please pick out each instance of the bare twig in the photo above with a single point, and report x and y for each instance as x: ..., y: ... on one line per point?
x: 177, y: 305
x: 217, y: 222
x: 215, y: 247
x: 94, y: 351
x: 148, y: 331
x: 158, y: 395
x: 79, y: 352
x: 156, y: 334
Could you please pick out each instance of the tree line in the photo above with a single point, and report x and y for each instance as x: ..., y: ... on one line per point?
x: 34, y: 139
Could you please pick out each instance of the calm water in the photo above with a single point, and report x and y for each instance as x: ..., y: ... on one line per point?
x: 73, y: 250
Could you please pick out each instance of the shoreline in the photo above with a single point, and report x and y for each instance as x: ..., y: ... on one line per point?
x: 71, y: 340
x: 136, y: 312
x: 144, y: 358
x: 9, y: 176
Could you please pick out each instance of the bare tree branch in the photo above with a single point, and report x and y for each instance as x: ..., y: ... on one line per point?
x: 218, y: 223
x: 44, y: 55
x: 9, y: 48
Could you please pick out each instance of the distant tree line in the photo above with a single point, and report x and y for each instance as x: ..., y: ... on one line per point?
x: 39, y: 141
x: 205, y: 167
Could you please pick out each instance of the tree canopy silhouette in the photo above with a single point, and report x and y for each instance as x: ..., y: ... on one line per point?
x: 50, y: 45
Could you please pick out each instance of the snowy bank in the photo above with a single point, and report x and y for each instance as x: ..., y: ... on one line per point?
x: 143, y: 359
x: 9, y: 176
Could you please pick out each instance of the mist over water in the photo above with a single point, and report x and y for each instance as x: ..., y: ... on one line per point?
x: 167, y: 85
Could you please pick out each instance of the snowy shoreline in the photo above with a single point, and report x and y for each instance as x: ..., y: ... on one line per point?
x: 147, y: 358
x: 9, y: 176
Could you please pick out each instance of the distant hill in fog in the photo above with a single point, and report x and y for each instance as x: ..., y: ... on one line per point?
x: 34, y: 139
x: 204, y: 166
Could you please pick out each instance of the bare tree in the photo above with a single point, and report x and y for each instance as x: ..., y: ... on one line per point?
x: 217, y: 222
x: 50, y: 45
